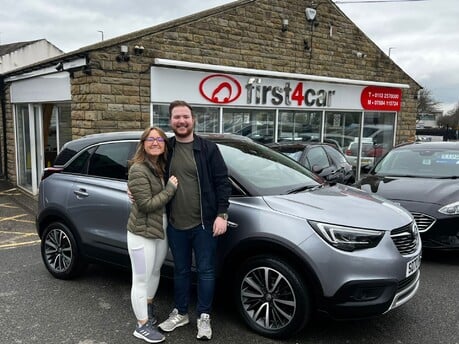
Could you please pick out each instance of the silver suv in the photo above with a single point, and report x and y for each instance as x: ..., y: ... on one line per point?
x: 294, y: 245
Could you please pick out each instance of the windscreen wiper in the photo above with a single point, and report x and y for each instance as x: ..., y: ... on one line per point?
x: 305, y: 188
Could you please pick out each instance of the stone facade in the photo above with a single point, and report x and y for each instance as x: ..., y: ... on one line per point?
x: 115, y: 96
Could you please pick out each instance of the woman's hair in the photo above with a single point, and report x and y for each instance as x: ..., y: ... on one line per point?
x: 141, y: 156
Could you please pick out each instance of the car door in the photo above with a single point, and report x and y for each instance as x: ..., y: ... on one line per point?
x: 99, y: 205
x: 320, y: 163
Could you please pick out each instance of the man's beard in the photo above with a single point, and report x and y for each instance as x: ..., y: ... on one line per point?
x: 188, y: 132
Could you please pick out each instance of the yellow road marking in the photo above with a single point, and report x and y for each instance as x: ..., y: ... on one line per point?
x: 14, y: 218
x: 9, y: 192
x: 19, y: 235
x: 7, y: 205
x: 19, y: 244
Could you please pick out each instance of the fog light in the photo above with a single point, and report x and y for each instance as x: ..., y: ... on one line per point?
x: 367, y: 294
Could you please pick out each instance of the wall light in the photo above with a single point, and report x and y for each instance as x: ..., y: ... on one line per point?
x: 59, y: 67
x: 138, y: 50
x: 359, y: 54
x: 124, y: 54
x: 284, y: 24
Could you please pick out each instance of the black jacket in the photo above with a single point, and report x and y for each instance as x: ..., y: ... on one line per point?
x: 214, y: 185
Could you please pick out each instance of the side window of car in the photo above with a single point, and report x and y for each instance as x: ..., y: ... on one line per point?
x: 335, y: 155
x: 80, y: 163
x: 318, y: 157
x: 111, y: 160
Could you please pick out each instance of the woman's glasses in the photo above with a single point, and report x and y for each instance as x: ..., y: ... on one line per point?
x: 157, y: 139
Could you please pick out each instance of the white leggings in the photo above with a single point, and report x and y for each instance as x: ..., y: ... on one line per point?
x: 147, y: 256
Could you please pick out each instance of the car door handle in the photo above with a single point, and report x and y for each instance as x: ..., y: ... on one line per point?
x: 81, y: 193
x: 232, y: 225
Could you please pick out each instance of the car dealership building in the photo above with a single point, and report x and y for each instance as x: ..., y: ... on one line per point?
x: 270, y: 70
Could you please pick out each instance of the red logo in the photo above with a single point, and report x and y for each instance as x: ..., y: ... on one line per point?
x: 220, y: 88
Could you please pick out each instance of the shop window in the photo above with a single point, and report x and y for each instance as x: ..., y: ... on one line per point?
x: 256, y: 124
x: 299, y: 126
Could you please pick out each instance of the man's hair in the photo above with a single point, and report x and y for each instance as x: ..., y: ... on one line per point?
x: 176, y: 103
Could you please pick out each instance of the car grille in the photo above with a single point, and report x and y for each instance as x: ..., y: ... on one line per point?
x: 405, y: 238
x: 405, y: 282
x: 423, y: 221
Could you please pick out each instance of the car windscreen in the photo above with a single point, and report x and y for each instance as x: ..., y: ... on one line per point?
x: 262, y: 171
x: 417, y: 162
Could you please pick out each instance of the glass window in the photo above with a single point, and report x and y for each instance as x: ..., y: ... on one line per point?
x: 256, y: 124
x: 207, y: 118
x: 65, y: 123
x: 339, y: 128
x: 299, y: 126
x: 317, y: 157
x: 80, y: 164
x: 335, y: 154
x: 111, y: 160
x: 161, y: 117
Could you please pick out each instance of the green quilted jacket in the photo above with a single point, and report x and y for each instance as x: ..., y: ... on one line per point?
x: 146, y: 217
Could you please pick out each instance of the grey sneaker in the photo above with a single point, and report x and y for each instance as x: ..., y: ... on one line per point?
x: 204, y: 328
x: 151, y: 314
x: 175, y: 320
x: 148, y: 333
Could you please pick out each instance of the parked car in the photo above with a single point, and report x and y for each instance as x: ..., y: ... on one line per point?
x: 423, y: 178
x: 320, y: 158
x: 370, y: 153
x: 294, y: 245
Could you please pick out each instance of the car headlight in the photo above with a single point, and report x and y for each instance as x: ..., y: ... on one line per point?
x: 347, y: 238
x: 450, y: 209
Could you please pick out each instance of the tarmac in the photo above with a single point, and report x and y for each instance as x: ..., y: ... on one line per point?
x: 18, y: 211
x: 12, y: 193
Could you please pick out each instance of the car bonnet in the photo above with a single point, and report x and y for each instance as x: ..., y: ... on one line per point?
x: 343, y: 205
x: 423, y: 190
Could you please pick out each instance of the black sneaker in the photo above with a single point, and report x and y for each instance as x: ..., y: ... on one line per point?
x: 148, y: 333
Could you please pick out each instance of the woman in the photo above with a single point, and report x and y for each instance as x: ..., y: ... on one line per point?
x: 146, y: 236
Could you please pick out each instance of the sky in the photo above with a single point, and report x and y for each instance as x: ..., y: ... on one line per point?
x: 422, y: 37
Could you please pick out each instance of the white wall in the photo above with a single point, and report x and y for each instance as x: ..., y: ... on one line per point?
x: 28, y: 54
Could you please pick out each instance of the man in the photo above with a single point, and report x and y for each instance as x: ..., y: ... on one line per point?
x: 197, y: 216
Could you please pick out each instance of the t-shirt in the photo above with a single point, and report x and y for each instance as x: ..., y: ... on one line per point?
x: 186, y: 205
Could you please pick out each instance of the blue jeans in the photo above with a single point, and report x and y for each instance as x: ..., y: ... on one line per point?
x: 204, y: 245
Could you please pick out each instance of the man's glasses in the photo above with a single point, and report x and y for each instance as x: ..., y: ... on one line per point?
x: 157, y: 139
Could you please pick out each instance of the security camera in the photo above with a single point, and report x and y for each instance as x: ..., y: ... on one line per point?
x: 310, y: 13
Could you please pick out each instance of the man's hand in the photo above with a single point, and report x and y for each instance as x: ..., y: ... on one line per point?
x: 220, y: 226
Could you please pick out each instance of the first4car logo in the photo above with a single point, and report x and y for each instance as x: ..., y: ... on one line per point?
x: 220, y: 88
x: 225, y: 89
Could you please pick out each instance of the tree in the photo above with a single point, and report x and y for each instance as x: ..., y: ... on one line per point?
x: 451, y: 119
x: 426, y: 103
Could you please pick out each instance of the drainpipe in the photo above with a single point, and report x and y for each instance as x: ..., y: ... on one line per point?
x: 3, y: 173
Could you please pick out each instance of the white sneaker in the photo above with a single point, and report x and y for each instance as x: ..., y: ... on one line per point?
x: 175, y: 320
x: 204, y: 328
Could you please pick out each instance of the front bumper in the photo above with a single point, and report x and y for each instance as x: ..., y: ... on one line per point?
x: 361, y: 299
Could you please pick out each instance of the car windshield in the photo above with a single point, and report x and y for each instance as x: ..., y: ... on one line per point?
x: 263, y: 171
x: 418, y: 162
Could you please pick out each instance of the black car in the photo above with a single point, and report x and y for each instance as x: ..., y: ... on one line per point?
x: 321, y: 158
x: 423, y: 178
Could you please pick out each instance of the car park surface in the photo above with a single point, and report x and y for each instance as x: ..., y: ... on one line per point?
x: 294, y: 245
x: 423, y: 178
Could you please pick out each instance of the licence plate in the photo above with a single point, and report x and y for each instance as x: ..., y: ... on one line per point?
x: 413, y: 265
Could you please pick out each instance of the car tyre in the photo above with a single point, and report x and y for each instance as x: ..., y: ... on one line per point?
x: 59, y: 251
x: 271, y: 297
